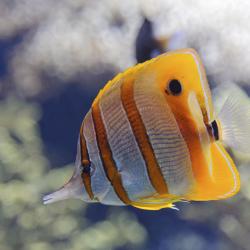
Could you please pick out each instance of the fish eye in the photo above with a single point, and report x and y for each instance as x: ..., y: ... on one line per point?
x: 88, y: 168
x: 174, y: 87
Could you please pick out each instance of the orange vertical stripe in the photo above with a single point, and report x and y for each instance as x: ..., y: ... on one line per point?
x: 85, y: 162
x: 106, y: 155
x: 139, y: 130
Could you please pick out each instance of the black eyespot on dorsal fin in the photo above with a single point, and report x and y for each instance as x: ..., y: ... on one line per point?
x: 86, y: 169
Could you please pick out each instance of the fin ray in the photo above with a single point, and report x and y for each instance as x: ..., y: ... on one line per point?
x: 234, y: 119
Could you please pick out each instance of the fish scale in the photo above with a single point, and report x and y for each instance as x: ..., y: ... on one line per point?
x: 156, y: 113
x: 99, y: 182
x: 134, y: 165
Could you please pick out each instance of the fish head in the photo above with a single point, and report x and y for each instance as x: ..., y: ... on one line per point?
x: 181, y: 77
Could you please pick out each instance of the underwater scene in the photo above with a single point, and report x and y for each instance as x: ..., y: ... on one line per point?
x: 124, y: 125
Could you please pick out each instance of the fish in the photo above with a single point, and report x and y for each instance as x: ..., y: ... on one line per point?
x: 147, y: 45
x: 152, y: 138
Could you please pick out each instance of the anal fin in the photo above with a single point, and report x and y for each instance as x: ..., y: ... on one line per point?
x: 156, y: 202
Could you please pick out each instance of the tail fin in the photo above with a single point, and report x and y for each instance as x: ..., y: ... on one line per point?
x: 234, y: 118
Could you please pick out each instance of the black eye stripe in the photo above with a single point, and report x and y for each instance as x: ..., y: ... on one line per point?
x: 174, y: 87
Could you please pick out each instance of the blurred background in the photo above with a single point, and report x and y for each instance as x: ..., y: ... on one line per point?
x: 54, y: 57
